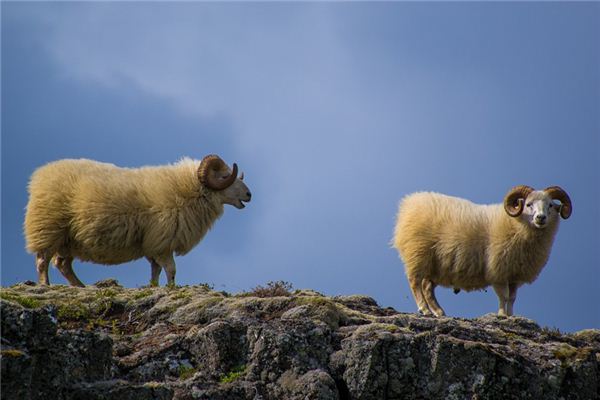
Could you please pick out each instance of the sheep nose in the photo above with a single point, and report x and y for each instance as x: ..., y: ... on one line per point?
x: 249, y: 195
x: 540, y: 218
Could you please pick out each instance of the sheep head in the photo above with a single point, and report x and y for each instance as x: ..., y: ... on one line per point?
x: 538, y: 206
x: 214, y: 174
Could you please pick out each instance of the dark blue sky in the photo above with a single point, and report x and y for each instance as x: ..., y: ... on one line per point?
x: 335, y: 111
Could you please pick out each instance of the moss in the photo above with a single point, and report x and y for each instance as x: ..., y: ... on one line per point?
x: 182, y: 294
x: 14, y: 353
x: 106, y: 293
x: 377, y: 327
x: 27, y: 302
x: 314, y: 301
x: 186, y: 372
x: 568, y: 354
x: 115, y: 328
x: 73, y: 311
x: 234, y: 374
x: 140, y: 294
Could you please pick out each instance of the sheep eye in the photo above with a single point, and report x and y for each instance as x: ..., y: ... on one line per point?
x: 529, y: 204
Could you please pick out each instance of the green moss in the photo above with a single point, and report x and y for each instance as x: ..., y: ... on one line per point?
x: 186, y: 372
x: 115, y: 328
x: 182, y: 294
x: 568, y: 354
x: 73, y: 312
x: 565, y: 351
x: 140, y: 294
x: 12, y: 353
x: 27, y: 302
x: 106, y: 293
x: 234, y: 374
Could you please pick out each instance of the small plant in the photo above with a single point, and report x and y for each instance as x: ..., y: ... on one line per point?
x: 552, y: 332
x: 234, y: 374
x: 186, y: 371
x: 73, y: 312
x: 115, y: 328
x: 182, y: 294
x: 27, y: 302
x: 207, y: 286
x: 140, y: 294
x: 12, y: 353
x: 273, y: 289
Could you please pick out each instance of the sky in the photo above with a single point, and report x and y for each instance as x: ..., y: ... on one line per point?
x: 334, y: 111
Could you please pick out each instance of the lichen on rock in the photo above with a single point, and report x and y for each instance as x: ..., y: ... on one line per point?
x: 191, y: 342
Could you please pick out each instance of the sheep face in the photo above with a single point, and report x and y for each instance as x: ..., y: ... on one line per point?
x: 216, y: 175
x: 540, y: 211
x: 538, y: 207
x: 237, y: 193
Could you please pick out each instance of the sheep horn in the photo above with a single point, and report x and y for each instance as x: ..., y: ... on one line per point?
x: 557, y: 193
x: 515, y: 199
x: 213, y: 163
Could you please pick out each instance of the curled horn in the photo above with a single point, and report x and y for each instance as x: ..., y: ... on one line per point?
x: 557, y: 193
x: 211, y: 164
x: 515, y: 200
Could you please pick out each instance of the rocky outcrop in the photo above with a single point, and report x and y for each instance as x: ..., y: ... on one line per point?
x: 109, y: 342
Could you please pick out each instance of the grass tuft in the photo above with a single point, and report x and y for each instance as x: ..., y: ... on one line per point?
x: 273, y: 289
x: 27, y: 302
x: 234, y: 374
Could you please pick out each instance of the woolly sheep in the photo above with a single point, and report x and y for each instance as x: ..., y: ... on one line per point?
x: 453, y: 242
x: 99, y: 212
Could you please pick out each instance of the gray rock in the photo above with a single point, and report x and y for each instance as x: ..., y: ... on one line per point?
x: 194, y: 343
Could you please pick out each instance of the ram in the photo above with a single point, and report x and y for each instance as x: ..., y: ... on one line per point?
x: 99, y: 212
x: 452, y: 242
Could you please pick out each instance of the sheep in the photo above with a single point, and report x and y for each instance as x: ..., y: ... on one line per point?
x: 99, y: 212
x: 452, y: 242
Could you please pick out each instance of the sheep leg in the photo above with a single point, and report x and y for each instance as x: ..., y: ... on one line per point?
x: 415, y: 287
x: 428, y: 288
x: 512, y: 296
x: 156, y: 268
x: 502, y: 291
x: 42, y: 261
x: 168, y: 264
x: 65, y: 266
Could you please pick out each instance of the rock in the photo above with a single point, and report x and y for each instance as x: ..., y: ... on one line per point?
x: 105, y: 283
x: 109, y: 342
x: 39, y: 360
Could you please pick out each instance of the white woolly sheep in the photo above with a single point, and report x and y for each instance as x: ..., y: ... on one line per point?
x: 453, y: 242
x: 99, y: 212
